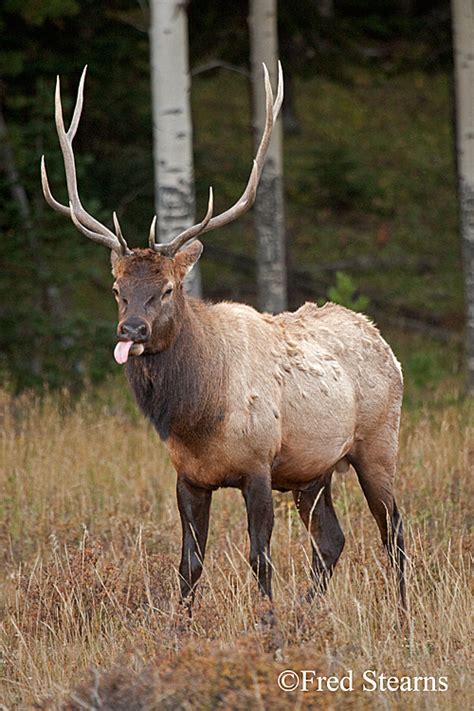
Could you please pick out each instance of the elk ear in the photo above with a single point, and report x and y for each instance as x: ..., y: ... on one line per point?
x: 187, y: 258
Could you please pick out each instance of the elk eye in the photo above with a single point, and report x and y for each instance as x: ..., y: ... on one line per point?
x: 167, y: 292
x: 115, y: 292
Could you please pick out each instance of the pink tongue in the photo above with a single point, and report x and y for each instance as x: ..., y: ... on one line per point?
x: 121, y: 351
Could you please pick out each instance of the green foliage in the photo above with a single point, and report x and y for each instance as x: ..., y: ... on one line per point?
x: 345, y: 293
x: 344, y: 181
x: 36, y: 13
x: 425, y: 368
x: 368, y: 152
x: 55, y: 325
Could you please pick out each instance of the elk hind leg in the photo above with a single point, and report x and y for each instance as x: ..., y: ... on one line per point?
x: 327, y: 539
x: 375, y: 469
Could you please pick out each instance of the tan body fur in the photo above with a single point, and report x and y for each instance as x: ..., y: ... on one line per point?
x: 303, y: 389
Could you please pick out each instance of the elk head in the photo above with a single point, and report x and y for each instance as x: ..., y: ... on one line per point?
x: 148, y: 283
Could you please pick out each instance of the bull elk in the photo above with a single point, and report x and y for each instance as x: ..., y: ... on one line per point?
x: 246, y: 399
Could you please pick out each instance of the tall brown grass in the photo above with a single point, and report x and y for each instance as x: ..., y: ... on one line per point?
x: 90, y: 542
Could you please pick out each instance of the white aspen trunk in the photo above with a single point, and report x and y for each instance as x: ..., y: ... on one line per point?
x: 172, y: 125
x: 269, y: 206
x: 463, y: 44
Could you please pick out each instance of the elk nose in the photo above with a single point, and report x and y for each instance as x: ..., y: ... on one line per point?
x: 134, y: 330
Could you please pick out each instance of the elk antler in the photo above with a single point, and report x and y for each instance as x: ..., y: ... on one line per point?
x: 84, y: 222
x: 247, y: 198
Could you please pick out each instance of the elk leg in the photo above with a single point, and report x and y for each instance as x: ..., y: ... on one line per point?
x: 376, y: 473
x: 257, y: 492
x: 193, y: 504
x: 327, y: 539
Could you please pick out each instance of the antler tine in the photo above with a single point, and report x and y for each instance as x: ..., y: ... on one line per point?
x: 247, y: 199
x: 169, y: 249
x: 88, y: 225
x: 47, y: 192
x: 76, y: 116
x: 120, y: 237
x: 95, y: 236
x: 152, y: 234
x: 267, y: 131
x: 279, y: 96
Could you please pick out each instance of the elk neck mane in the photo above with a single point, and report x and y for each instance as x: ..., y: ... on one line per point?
x: 182, y: 388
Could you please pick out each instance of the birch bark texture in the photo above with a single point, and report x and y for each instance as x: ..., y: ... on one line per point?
x: 269, y: 205
x: 172, y: 124
x: 463, y: 46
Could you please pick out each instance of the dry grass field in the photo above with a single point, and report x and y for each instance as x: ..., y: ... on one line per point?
x: 90, y: 543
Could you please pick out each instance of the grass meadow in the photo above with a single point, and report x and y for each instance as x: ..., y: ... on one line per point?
x: 90, y: 543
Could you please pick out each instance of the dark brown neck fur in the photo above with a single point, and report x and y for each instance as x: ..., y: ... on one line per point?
x: 182, y: 389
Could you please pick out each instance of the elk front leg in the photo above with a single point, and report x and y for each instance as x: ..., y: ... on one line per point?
x: 257, y: 491
x: 193, y: 504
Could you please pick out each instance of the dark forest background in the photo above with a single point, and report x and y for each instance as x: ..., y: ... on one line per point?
x: 369, y: 171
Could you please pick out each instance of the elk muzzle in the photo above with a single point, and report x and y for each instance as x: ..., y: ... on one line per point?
x: 134, y: 329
